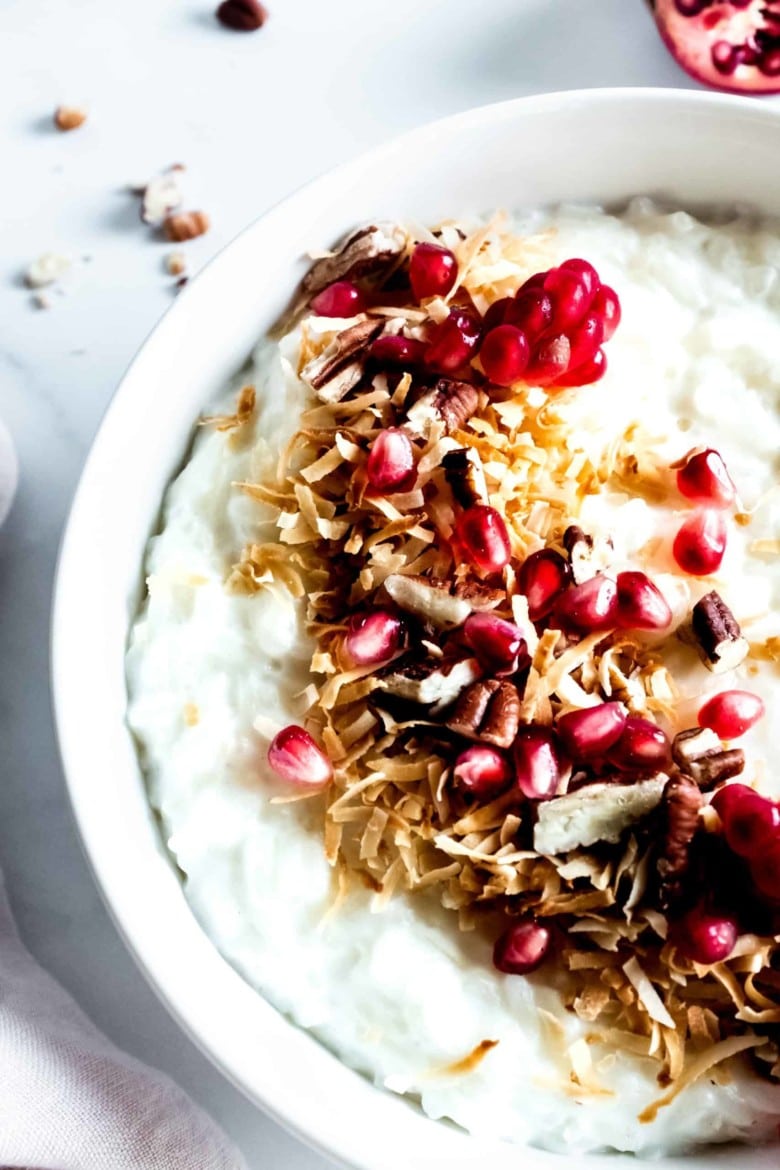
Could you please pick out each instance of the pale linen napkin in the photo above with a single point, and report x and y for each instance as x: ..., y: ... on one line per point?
x: 70, y: 1100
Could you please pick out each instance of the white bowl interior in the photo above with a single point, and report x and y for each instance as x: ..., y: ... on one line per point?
x: 605, y: 146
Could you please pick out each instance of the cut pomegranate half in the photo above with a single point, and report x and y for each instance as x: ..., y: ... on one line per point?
x: 729, y: 44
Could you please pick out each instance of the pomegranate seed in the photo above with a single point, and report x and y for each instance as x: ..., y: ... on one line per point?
x: 500, y: 313
x: 590, y: 606
x: 373, y: 637
x: 538, y: 762
x: 700, y: 543
x: 550, y: 360
x: 543, y: 577
x: 585, y: 375
x: 731, y: 713
x: 499, y: 645
x: 750, y: 822
x: 433, y: 271
x: 570, y: 296
x: 390, y: 463
x: 484, y: 539
x: 606, y: 304
x: 533, y: 282
x: 522, y: 948
x: 765, y: 871
x: 504, y: 354
x: 533, y: 312
x: 592, y: 731
x: 295, y: 757
x: 452, y: 342
x: 726, y: 799
x: 340, y: 299
x: 396, y: 350
x: 586, y: 272
x: 704, y: 937
x: 641, y: 604
x: 643, y: 746
x: 483, y: 772
x: 585, y: 340
x: 704, y: 478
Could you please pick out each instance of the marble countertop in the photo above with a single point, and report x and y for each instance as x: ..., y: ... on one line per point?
x: 252, y: 117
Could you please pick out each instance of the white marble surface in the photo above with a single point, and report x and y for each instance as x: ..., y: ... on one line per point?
x: 252, y: 117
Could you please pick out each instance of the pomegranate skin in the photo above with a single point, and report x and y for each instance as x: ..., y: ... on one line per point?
x: 700, y: 543
x: 641, y: 604
x: 522, y: 948
x: 590, y: 606
x: 542, y: 579
x: 340, y: 299
x: 538, y: 762
x: 296, y: 758
x: 717, y: 44
x: 483, y: 537
x: 433, y: 271
x: 703, y: 477
x: 591, y: 732
x: 643, y: 746
x: 704, y: 936
x: 482, y: 772
x: 731, y: 713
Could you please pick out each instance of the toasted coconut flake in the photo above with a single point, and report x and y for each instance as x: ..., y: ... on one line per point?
x: 244, y: 412
x: 648, y: 996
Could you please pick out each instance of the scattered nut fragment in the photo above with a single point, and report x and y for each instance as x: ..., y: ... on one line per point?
x: 428, y: 598
x: 435, y: 684
x: 242, y: 15
x: 41, y: 300
x: 47, y: 269
x: 69, y: 117
x: 176, y: 263
x: 596, y: 812
x: 368, y: 251
x: 185, y: 225
x: 339, y: 368
x: 161, y: 196
x: 449, y: 402
x: 680, y: 806
x: 587, y: 557
x: 718, y: 634
x: 699, y: 753
x: 464, y: 473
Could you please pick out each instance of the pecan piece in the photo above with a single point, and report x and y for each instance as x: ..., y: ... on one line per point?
x: 69, y: 117
x: 449, y: 402
x: 699, y: 753
x: 680, y: 806
x: 464, y: 473
x: 242, y: 15
x: 369, y: 251
x: 185, y: 225
x: 587, y: 558
x: 339, y: 368
x: 489, y: 710
x: 718, y: 634
x: 595, y: 812
x: 428, y: 598
x: 434, y: 683
x: 481, y: 597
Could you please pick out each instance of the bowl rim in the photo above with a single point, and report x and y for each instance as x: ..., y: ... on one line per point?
x: 333, y: 1141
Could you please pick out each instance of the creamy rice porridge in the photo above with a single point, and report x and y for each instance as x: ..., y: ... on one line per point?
x: 502, y: 876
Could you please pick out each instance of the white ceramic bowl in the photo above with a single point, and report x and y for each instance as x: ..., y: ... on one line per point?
x: 597, y: 145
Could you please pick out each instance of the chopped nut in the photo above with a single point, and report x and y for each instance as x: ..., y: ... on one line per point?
x: 488, y: 710
x: 586, y: 557
x: 699, y: 753
x: 692, y: 743
x: 680, y: 806
x: 161, y: 196
x: 69, y: 117
x: 435, y: 683
x: 47, y: 269
x: 369, y: 251
x: 466, y: 477
x: 334, y: 372
x: 481, y: 597
x: 185, y: 225
x: 449, y: 402
x: 718, y: 634
x: 428, y: 598
x: 596, y: 812
x: 242, y: 15
x: 41, y: 300
x: 176, y: 263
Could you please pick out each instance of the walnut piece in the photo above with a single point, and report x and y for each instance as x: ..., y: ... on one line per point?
x: 718, y: 634
x: 69, y: 117
x: 680, y: 806
x: 185, y: 225
x: 369, y: 251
